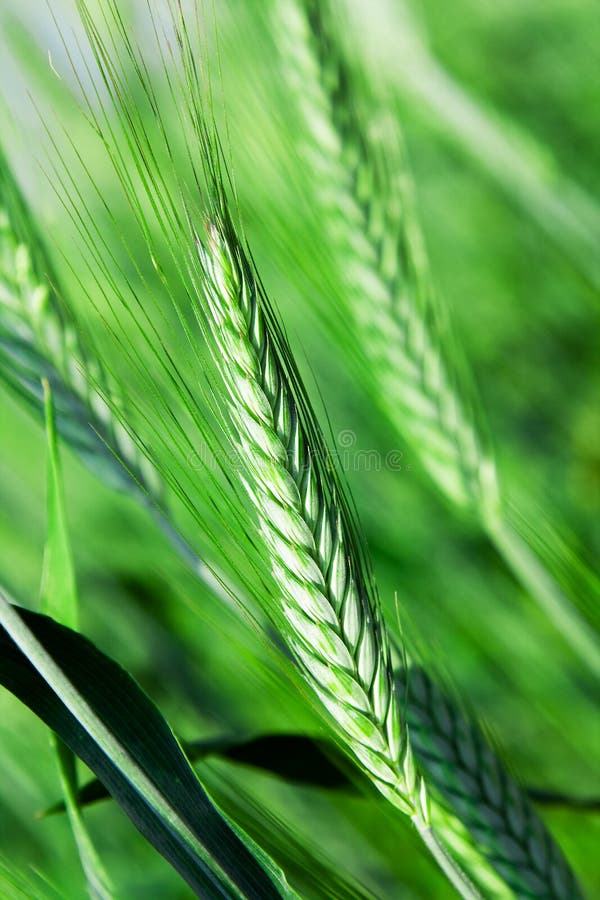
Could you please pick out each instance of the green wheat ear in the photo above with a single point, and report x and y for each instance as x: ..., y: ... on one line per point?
x: 333, y: 620
x: 420, y: 386
x: 457, y: 759
x: 358, y: 172
x: 328, y: 608
x: 39, y: 339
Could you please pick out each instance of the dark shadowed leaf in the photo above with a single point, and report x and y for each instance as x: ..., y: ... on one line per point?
x: 297, y: 758
x: 140, y: 763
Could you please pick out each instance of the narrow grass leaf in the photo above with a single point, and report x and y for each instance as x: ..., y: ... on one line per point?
x: 58, y: 591
x: 18, y: 884
x: 59, y: 601
x: 98, y: 881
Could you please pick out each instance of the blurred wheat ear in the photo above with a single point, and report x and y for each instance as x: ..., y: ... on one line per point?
x: 476, y: 787
x: 403, y: 343
x: 40, y: 339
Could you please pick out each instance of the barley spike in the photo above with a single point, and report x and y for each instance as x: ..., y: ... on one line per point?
x: 456, y: 757
x: 329, y: 613
x: 380, y: 250
x: 334, y: 625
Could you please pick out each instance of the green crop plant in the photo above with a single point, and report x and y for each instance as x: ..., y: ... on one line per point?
x: 210, y: 650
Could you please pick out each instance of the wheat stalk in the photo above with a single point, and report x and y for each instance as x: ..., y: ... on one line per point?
x: 457, y: 759
x: 360, y: 171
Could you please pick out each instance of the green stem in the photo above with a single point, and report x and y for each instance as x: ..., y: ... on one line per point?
x: 453, y: 872
x: 541, y: 585
x: 524, y: 170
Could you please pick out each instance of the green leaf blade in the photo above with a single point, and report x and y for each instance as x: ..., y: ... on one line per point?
x: 58, y: 592
x: 105, y: 718
x: 58, y: 597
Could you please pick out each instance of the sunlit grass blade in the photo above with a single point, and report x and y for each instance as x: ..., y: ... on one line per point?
x: 58, y: 591
x: 100, y: 712
x: 98, y: 881
x: 59, y: 601
x: 17, y: 884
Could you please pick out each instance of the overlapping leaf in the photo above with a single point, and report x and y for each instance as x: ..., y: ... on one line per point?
x: 106, y: 719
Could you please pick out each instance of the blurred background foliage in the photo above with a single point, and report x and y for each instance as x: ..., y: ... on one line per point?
x: 527, y: 314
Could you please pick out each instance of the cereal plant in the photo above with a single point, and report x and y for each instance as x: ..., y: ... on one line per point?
x: 234, y: 361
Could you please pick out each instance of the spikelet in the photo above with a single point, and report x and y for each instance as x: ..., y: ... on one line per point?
x: 328, y: 601
x: 455, y: 756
